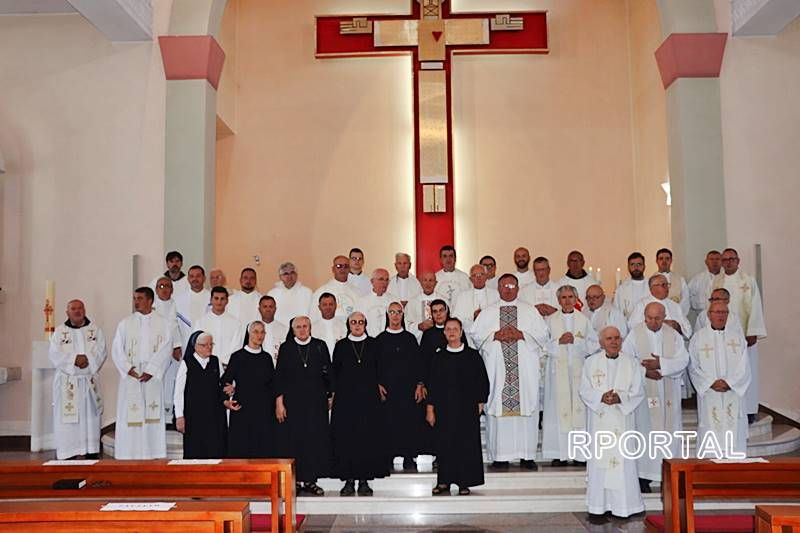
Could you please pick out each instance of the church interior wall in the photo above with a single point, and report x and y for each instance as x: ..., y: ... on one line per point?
x: 760, y: 118
x: 537, y: 139
x: 82, y: 133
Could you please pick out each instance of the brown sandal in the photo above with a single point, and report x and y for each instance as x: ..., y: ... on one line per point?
x: 441, y: 490
x: 463, y: 491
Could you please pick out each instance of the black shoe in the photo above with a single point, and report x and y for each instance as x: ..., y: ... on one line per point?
x: 435, y: 464
x: 559, y: 462
x: 499, y: 465
x: 597, y: 519
x: 364, y: 489
x: 644, y: 486
x: 751, y: 418
x: 579, y: 463
x: 92, y: 456
x: 349, y: 488
x: 409, y: 464
x: 528, y: 464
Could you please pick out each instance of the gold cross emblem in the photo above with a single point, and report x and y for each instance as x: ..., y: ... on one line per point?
x: 153, y: 406
x: 598, y: 377
x: 734, y: 345
x: 706, y: 349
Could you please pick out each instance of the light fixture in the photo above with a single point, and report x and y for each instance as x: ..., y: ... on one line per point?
x: 666, y: 188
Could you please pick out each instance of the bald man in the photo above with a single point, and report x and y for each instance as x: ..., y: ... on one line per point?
x: 77, y: 352
x: 338, y: 285
x: 375, y: 304
x: 601, y: 312
x: 471, y: 302
x: 522, y: 260
x: 418, y: 309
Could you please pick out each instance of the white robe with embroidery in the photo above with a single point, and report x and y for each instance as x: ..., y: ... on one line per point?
x: 700, y: 291
x: 418, y: 310
x: 470, y: 300
x: 511, y: 437
x: 346, y: 298
x: 667, y: 397
x: 153, y: 349
x: 291, y: 302
x: 673, y: 312
x: 77, y: 434
x: 374, y: 308
x: 683, y: 298
x: 554, y: 437
x: 746, y: 298
x: 450, y: 284
x: 606, y: 491
x: 607, y: 315
x: 720, y: 354
x: 629, y: 293
x: 227, y: 331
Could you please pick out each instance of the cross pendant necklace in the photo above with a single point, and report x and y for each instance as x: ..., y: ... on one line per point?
x: 303, y: 355
x: 359, y: 353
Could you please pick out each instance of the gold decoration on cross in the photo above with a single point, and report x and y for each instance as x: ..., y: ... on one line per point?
x: 506, y: 22
x: 69, y: 407
x: 613, y: 462
x: 706, y: 349
x: 745, y: 287
x: 359, y: 25
x: 153, y: 406
x: 734, y: 345
x: 598, y: 377
x: 431, y: 9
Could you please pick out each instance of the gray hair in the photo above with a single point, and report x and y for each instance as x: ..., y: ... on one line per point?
x: 654, y: 277
x: 288, y: 266
x: 203, y: 336
x: 565, y: 288
x: 398, y: 255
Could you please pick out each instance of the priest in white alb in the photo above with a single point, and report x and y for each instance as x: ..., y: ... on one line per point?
x: 174, y: 263
x: 659, y: 292
x: 577, y: 277
x: 291, y: 297
x: 720, y: 295
x: 346, y: 295
x: 542, y: 292
x: 633, y: 289
x: 193, y: 304
x: 275, y: 332
x: 602, y: 313
x: 662, y: 354
x: 490, y: 265
x: 450, y: 280
x: 357, y: 278
x: 165, y: 306
x: 243, y: 304
x: 418, y: 309
x: 572, y: 339
x: 510, y: 336
x: 375, y: 303
x: 522, y: 260
x: 471, y: 302
x: 678, y: 289
x: 700, y: 285
x: 141, y: 350
x: 720, y: 372
x: 611, y: 387
x: 227, y: 331
x: 403, y: 286
x: 77, y: 352
x: 328, y: 327
x: 745, y: 302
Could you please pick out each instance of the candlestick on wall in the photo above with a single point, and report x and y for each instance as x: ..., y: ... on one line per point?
x: 619, y: 277
x: 49, y: 308
x: 599, y: 276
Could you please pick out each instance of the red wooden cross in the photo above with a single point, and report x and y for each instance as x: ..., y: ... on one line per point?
x: 431, y: 35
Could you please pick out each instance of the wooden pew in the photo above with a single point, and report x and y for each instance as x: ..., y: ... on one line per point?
x: 774, y: 518
x: 684, y: 480
x: 86, y: 517
x: 252, y: 479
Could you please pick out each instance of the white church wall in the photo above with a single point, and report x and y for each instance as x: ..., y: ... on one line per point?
x: 760, y: 117
x: 82, y: 131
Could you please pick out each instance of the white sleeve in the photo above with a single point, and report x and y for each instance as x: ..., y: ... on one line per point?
x: 180, y: 385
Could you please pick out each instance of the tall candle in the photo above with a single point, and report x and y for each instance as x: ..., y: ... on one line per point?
x: 599, y: 276
x: 591, y: 270
x: 619, y: 276
x: 49, y: 307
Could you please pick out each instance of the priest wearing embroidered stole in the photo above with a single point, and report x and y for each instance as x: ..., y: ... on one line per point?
x: 659, y: 292
x: 720, y: 372
x: 243, y: 304
x: 77, y: 352
x: 510, y: 336
x: 471, y: 302
x: 611, y: 387
x: 291, y: 297
x: 746, y: 304
x: 141, y: 350
x: 663, y: 357
x: 403, y: 286
x: 572, y: 339
x: 602, y: 313
x: 374, y: 303
x: 224, y: 327
x: 633, y: 289
x: 542, y: 292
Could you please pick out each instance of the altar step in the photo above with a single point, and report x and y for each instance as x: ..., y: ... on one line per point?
x: 765, y: 438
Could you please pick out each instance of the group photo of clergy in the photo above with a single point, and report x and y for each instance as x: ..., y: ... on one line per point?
x: 374, y: 373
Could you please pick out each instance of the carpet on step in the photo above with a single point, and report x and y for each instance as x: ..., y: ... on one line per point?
x: 710, y: 523
x: 262, y: 522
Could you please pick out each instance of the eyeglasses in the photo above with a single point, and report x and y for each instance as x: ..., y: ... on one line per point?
x: 395, y: 312
x: 660, y: 285
x: 164, y: 286
x: 292, y: 273
x: 717, y: 299
x: 358, y: 322
x: 509, y: 286
x: 339, y: 266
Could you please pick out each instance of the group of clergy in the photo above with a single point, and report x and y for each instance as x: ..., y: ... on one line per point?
x: 368, y: 368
